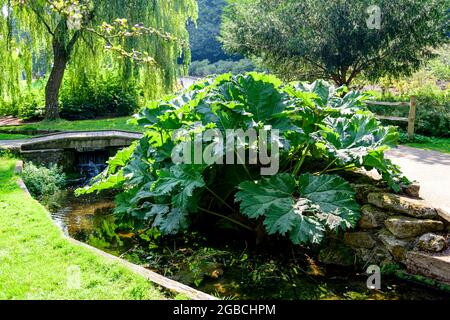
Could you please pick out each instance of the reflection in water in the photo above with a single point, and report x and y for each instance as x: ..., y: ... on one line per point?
x: 82, y: 215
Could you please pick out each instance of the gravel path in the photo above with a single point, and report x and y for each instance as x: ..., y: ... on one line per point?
x: 430, y: 168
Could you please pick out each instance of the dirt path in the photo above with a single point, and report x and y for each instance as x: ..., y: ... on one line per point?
x: 430, y: 168
x: 10, y: 121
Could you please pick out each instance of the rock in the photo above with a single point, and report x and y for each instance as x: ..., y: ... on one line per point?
x: 363, y: 190
x: 435, y: 267
x: 412, y: 190
x: 378, y: 255
x: 337, y: 254
x: 444, y: 214
x: 431, y: 242
x: 372, y: 217
x: 359, y: 240
x: 397, y: 247
x: 405, y: 227
x: 411, y: 207
x: 19, y: 167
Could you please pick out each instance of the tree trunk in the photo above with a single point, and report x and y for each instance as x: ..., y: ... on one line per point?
x: 60, y: 59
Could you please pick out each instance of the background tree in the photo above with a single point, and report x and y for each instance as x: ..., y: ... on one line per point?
x: 335, y: 39
x: 77, y: 32
x: 204, y: 34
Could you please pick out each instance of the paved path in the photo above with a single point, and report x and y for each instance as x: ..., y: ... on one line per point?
x: 430, y: 168
x: 11, y: 144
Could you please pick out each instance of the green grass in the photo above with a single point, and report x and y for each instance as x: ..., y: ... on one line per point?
x: 35, y: 257
x: 81, y: 125
x: 428, y: 143
x: 441, y: 146
x: 7, y: 136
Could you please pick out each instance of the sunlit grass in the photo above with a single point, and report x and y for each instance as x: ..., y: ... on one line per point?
x: 7, y: 136
x: 80, y: 125
x: 428, y: 143
x: 35, y: 258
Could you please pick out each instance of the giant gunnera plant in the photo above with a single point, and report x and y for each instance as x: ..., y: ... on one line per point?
x: 182, y: 169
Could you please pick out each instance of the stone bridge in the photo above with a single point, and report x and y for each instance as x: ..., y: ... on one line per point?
x: 66, y: 148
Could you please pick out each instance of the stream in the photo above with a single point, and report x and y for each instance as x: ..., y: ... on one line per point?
x: 90, y: 219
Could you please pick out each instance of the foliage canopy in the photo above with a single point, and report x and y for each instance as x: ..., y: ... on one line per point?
x: 44, y: 37
x: 203, y: 35
x: 336, y: 40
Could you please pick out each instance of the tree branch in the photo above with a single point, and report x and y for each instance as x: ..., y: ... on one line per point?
x: 41, y: 18
x: 90, y: 16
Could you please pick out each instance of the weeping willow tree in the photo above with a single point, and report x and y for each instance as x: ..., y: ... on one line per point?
x: 141, y: 40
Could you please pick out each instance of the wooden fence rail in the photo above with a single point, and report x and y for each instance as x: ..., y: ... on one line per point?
x: 411, y: 119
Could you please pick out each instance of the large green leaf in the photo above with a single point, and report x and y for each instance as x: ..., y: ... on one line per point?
x: 350, y: 140
x: 103, y: 182
x: 257, y: 198
x: 168, y: 220
x: 390, y: 172
x: 274, y: 199
x: 304, y: 212
x: 171, y: 222
x: 120, y: 159
x: 322, y: 91
x: 307, y: 230
x: 334, y: 197
x: 258, y: 95
x: 180, y: 181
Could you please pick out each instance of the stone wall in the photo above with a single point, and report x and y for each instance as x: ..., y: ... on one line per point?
x: 395, y: 228
x: 67, y: 159
x: 61, y: 157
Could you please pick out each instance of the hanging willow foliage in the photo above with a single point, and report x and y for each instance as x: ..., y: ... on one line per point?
x: 28, y: 29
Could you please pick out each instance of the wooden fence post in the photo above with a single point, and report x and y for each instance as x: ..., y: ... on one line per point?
x: 412, y: 117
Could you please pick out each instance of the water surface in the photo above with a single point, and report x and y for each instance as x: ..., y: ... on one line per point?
x: 90, y: 219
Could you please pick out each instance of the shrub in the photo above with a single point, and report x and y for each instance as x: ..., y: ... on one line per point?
x: 431, y: 87
x: 41, y: 181
x: 440, y: 67
x: 433, y: 110
x: 98, y: 98
x: 7, y: 108
x: 7, y: 154
x: 94, y: 97
x: 323, y: 132
x: 30, y: 104
x: 204, y: 68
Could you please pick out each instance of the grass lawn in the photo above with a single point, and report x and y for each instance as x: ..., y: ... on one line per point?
x: 81, y: 125
x: 436, y: 144
x: 7, y: 136
x: 35, y: 259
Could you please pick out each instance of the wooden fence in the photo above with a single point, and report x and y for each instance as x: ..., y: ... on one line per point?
x: 411, y: 120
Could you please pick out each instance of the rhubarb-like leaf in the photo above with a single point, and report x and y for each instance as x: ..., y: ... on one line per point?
x: 303, y: 210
